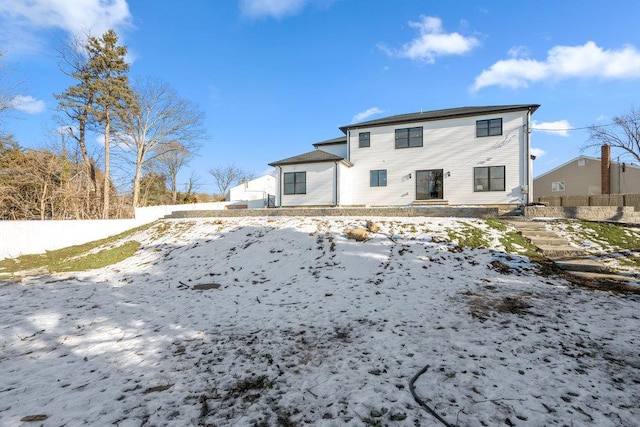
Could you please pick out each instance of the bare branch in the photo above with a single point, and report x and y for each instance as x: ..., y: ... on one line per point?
x: 163, y: 122
x: 622, y: 135
x: 227, y: 176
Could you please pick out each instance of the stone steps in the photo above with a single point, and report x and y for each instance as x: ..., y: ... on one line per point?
x: 547, y: 241
x: 580, y: 264
x: 563, y: 250
x: 575, y: 261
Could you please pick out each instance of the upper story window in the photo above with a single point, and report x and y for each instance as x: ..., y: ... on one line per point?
x: 364, y: 139
x: 489, y: 178
x: 491, y: 127
x: 409, y: 137
x: 295, y: 183
x: 378, y: 178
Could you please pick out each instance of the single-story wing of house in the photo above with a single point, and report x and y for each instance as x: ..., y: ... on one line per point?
x: 457, y: 156
x: 589, y: 176
x: 255, y: 193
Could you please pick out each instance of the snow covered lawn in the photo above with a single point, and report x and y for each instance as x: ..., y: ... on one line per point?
x: 284, y: 321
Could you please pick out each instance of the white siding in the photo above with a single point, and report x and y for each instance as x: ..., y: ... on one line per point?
x: 320, y: 185
x: 336, y: 149
x: 256, y: 189
x: 450, y: 145
x: 344, y: 184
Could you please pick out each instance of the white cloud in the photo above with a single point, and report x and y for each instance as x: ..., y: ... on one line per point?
x: 271, y: 8
x: 366, y: 114
x: 559, y: 127
x: 519, y: 52
x: 563, y: 62
x: 432, y: 42
x: 28, y: 104
x: 75, y: 16
x: 537, y: 152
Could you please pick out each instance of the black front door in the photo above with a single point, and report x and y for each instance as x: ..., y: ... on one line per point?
x: 429, y: 184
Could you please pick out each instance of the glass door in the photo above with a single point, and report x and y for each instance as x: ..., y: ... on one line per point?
x: 429, y: 184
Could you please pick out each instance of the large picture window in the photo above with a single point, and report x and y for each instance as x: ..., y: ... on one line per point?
x: 489, y: 178
x: 409, y: 137
x: 490, y: 127
x: 378, y: 178
x: 364, y: 139
x: 295, y: 183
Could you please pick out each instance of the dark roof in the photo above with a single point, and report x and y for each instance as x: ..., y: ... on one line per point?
x: 315, y: 156
x: 334, y: 141
x: 448, y: 113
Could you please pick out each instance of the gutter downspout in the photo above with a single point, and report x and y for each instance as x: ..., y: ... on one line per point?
x: 279, y: 204
x: 336, y: 186
x: 529, y: 175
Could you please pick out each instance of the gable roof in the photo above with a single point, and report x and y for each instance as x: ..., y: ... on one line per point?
x: 448, y: 113
x: 315, y: 156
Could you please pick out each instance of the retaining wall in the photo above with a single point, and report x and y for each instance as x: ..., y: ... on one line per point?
x: 590, y: 213
x: 427, y: 211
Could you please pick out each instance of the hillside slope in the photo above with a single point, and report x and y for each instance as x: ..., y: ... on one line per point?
x: 285, y: 321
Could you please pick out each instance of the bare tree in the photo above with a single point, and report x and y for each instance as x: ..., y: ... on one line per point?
x: 8, y: 86
x: 190, y: 188
x: 162, y: 124
x: 226, y: 176
x: 623, y: 134
x: 171, y: 158
x: 5, y: 90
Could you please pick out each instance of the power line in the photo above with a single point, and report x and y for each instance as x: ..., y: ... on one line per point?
x: 571, y: 129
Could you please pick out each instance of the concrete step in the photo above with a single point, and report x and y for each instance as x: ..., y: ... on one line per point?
x: 538, y: 233
x: 609, y: 277
x: 437, y: 202
x: 528, y: 225
x: 557, y: 251
x: 581, y: 264
x: 546, y: 241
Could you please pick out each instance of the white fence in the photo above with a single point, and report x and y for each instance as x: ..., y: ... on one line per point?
x: 35, y: 237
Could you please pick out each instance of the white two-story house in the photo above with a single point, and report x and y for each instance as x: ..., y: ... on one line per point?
x: 457, y: 156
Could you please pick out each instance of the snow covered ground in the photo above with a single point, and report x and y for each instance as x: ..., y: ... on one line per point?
x: 295, y: 324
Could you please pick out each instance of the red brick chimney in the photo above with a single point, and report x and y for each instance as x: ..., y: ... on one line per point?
x: 605, y: 170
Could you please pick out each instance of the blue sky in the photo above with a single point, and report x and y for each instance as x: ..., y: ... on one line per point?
x: 275, y: 76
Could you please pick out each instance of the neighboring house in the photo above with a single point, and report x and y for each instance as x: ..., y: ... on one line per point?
x: 254, y: 193
x: 583, y: 175
x: 469, y: 155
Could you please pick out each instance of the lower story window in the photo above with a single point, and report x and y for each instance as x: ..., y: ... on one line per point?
x: 295, y: 183
x: 489, y: 178
x: 378, y: 178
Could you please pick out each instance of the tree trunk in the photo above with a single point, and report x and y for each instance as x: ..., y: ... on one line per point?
x: 91, y: 171
x: 105, y: 208
x: 43, y: 203
x: 136, y: 180
x: 174, y: 189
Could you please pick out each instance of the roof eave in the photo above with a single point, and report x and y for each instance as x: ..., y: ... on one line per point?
x: 303, y: 162
x: 412, y: 117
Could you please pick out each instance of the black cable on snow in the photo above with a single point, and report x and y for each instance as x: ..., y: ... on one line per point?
x: 421, y: 402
